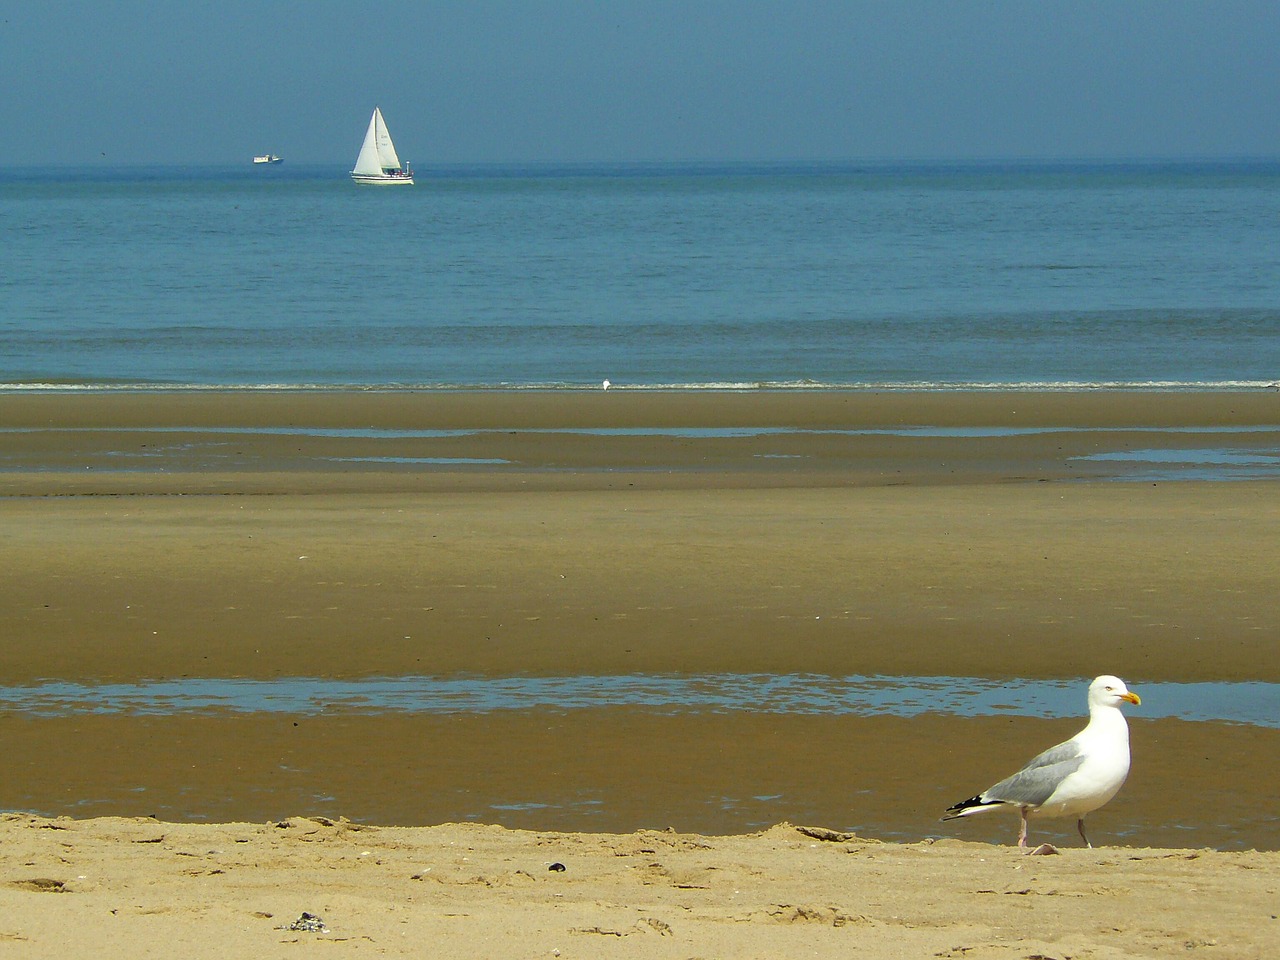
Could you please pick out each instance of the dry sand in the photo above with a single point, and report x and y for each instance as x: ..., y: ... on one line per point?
x: 142, y: 541
x: 139, y: 888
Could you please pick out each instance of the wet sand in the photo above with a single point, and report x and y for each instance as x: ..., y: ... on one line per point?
x: 144, y: 541
x: 128, y: 443
x: 170, y: 552
x: 620, y: 770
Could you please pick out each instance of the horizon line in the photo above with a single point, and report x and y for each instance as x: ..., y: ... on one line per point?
x: 824, y: 162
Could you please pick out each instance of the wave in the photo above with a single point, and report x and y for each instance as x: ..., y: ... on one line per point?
x: 902, y: 386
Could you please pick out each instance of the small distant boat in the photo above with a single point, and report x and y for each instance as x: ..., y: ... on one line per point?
x: 267, y: 158
x: 378, y: 161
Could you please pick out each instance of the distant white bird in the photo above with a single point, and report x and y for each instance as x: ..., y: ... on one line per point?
x: 605, y: 385
x: 1074, y: 778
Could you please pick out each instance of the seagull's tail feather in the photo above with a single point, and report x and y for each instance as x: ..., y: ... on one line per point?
x: 967, y: 808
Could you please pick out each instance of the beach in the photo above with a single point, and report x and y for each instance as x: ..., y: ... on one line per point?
x: 268, y: 535
x: 131, y: 887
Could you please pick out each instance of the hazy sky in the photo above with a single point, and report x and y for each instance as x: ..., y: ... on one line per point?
x: 197, y: 81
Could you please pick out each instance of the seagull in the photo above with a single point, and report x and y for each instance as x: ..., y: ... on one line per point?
x: 1074, y: 778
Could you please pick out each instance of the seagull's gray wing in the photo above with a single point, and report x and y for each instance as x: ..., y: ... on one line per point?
x: 1035, y: 783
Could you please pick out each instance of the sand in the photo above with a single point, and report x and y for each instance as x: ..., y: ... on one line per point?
x: 132, y: 888
x: 142, y: 540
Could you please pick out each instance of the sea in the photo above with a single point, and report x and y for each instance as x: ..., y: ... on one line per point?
x: 651, y: 276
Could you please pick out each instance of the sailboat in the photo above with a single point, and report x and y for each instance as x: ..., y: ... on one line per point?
x: 378, y: 162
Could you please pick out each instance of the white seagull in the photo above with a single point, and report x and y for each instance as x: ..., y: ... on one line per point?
x: 1074, y: 778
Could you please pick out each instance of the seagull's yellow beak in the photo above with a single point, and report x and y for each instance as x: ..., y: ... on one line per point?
x: 1131, y: 697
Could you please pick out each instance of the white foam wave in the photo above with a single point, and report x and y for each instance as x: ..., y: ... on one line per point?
x: 902, y: 386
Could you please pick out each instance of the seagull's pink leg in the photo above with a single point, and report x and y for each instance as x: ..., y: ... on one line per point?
x: 1022, y: 832
x: 1080, y: 827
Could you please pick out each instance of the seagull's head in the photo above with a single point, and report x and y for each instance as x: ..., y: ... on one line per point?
x: 1108, y: 691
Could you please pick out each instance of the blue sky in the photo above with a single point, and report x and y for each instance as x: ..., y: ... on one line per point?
x: 506, y: 81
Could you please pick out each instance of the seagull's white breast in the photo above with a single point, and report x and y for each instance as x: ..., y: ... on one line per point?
x: 1106, y: 764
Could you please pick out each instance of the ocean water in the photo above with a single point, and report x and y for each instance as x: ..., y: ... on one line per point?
x: 650, y: 276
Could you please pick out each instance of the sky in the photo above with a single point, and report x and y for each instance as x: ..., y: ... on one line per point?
x: 515, y: 81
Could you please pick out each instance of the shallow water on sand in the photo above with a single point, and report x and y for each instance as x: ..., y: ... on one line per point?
x: 1249, y: 703
x: 1205, y: 453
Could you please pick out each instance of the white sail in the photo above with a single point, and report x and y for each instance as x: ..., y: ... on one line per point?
x: 386, y: 149
x: 378, y: 160
x: 369, y: 164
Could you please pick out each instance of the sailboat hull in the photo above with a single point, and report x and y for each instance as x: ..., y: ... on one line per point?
x: 371, y: 178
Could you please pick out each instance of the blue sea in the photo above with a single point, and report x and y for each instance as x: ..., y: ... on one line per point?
x: 801, y: 276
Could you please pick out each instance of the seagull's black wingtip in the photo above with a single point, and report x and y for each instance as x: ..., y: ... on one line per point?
x: 964, y: 806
